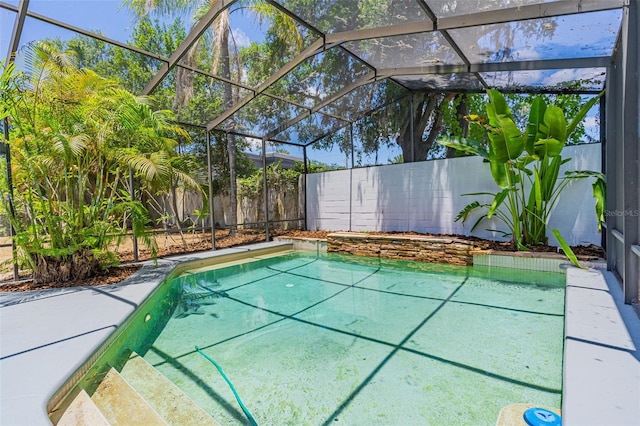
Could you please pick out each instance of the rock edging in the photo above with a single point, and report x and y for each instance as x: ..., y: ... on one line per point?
x: 455, y: 251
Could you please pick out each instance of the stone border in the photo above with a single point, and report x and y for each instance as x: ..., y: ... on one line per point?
x: 454, y: 251
x: 451, y: 250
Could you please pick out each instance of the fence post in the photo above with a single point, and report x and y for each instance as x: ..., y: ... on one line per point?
x: 265, y: 188
x: 12, y: 231
x: 210, y: 183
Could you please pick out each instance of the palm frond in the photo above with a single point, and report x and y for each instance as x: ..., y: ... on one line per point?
x: 70, y: 146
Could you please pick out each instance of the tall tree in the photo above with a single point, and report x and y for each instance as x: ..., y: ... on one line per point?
x: 425, y: 117
x: 221, y: 43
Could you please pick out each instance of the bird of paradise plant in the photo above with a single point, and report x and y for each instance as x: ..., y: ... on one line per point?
x: 526, y: 167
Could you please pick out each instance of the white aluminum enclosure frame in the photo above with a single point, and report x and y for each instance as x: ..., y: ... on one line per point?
x: 621, y: 153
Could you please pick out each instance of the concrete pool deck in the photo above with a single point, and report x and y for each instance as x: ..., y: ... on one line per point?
x: 47, y: 335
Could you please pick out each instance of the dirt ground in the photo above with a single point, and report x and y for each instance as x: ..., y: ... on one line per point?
x: 175, y: 243
x: 167, y: 244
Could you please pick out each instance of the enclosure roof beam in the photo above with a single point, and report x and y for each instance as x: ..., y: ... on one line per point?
x: 214, y: 76
x: 242, y: 134
x: 295, y: 17
x: 364, y: 114
x: 281, y: 128
x: 596, y: 62
x: 313, y: 49
x: 91, y: 34
x: 128, y: 47
x: 299, y: 105
x: 557, y: 8
x: 368, y: 78
x: 526, y: 12
x: 450, y: 40
x: 252, y: 136
x: 203, y: 24
x: 324, y: 135
x: 509, y: 14
x: 16, y: 33
x: 389, y: 31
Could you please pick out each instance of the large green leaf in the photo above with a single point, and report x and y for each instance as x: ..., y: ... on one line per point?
x: 497, y: 201
x: 507, y: 142
x: 537, y: 189
x: 497, y: 107
x: 522, y: 163
x: 599, y: 193
x: 536, y: 118
x: 567, y: 249
x: 464, y: 145
x: 499, y: 173
x: 544, y: 148
x: 599, y: 190
x: 463, y: 215
x: 554, y: 125
x: 550, y: 177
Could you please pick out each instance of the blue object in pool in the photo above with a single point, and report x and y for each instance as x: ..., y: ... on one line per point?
x: 541, y: 417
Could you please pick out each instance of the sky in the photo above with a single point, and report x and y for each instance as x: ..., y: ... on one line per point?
x: 108, y: 17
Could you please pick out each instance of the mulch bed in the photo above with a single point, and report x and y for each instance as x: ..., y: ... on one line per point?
x: 112, y: 276
x: 223, y: 240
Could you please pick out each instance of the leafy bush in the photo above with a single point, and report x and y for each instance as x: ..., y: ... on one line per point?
x: 75, y: 137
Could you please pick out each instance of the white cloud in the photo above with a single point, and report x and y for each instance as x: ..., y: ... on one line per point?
x: 519, y: 78
x: 591, y: 122
x: 254, y: 144
x: 527, y: 54
x: 559, y: 77
x: 241, y: 38
x: 564, y: 76
x: 592, y: 127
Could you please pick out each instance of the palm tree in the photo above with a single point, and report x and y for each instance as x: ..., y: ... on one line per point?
x: 221, y: 43
x: 74, y: 136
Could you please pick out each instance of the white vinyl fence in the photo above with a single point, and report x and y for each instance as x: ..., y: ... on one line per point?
x: 427, y: 196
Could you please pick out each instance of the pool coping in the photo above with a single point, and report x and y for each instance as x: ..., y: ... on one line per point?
x: 601, y: 371
x: 44, y: 342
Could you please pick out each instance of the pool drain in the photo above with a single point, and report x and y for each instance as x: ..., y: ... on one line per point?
x: 541, y: 417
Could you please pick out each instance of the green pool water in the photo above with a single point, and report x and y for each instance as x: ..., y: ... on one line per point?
x: 315, y: 340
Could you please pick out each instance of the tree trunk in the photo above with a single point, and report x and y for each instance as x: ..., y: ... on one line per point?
x: 184, y: 82
x: 426, y: 112
x: 59, y: 269
x: 174, y: 207
x: 231, y: 140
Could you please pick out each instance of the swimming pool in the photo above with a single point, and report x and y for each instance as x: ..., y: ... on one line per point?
x: 309, y: 339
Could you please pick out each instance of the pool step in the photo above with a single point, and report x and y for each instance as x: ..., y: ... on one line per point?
x: 121, y: 404
x: 138, y: 395
x: 175, y: 407
x: 82, y: 412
